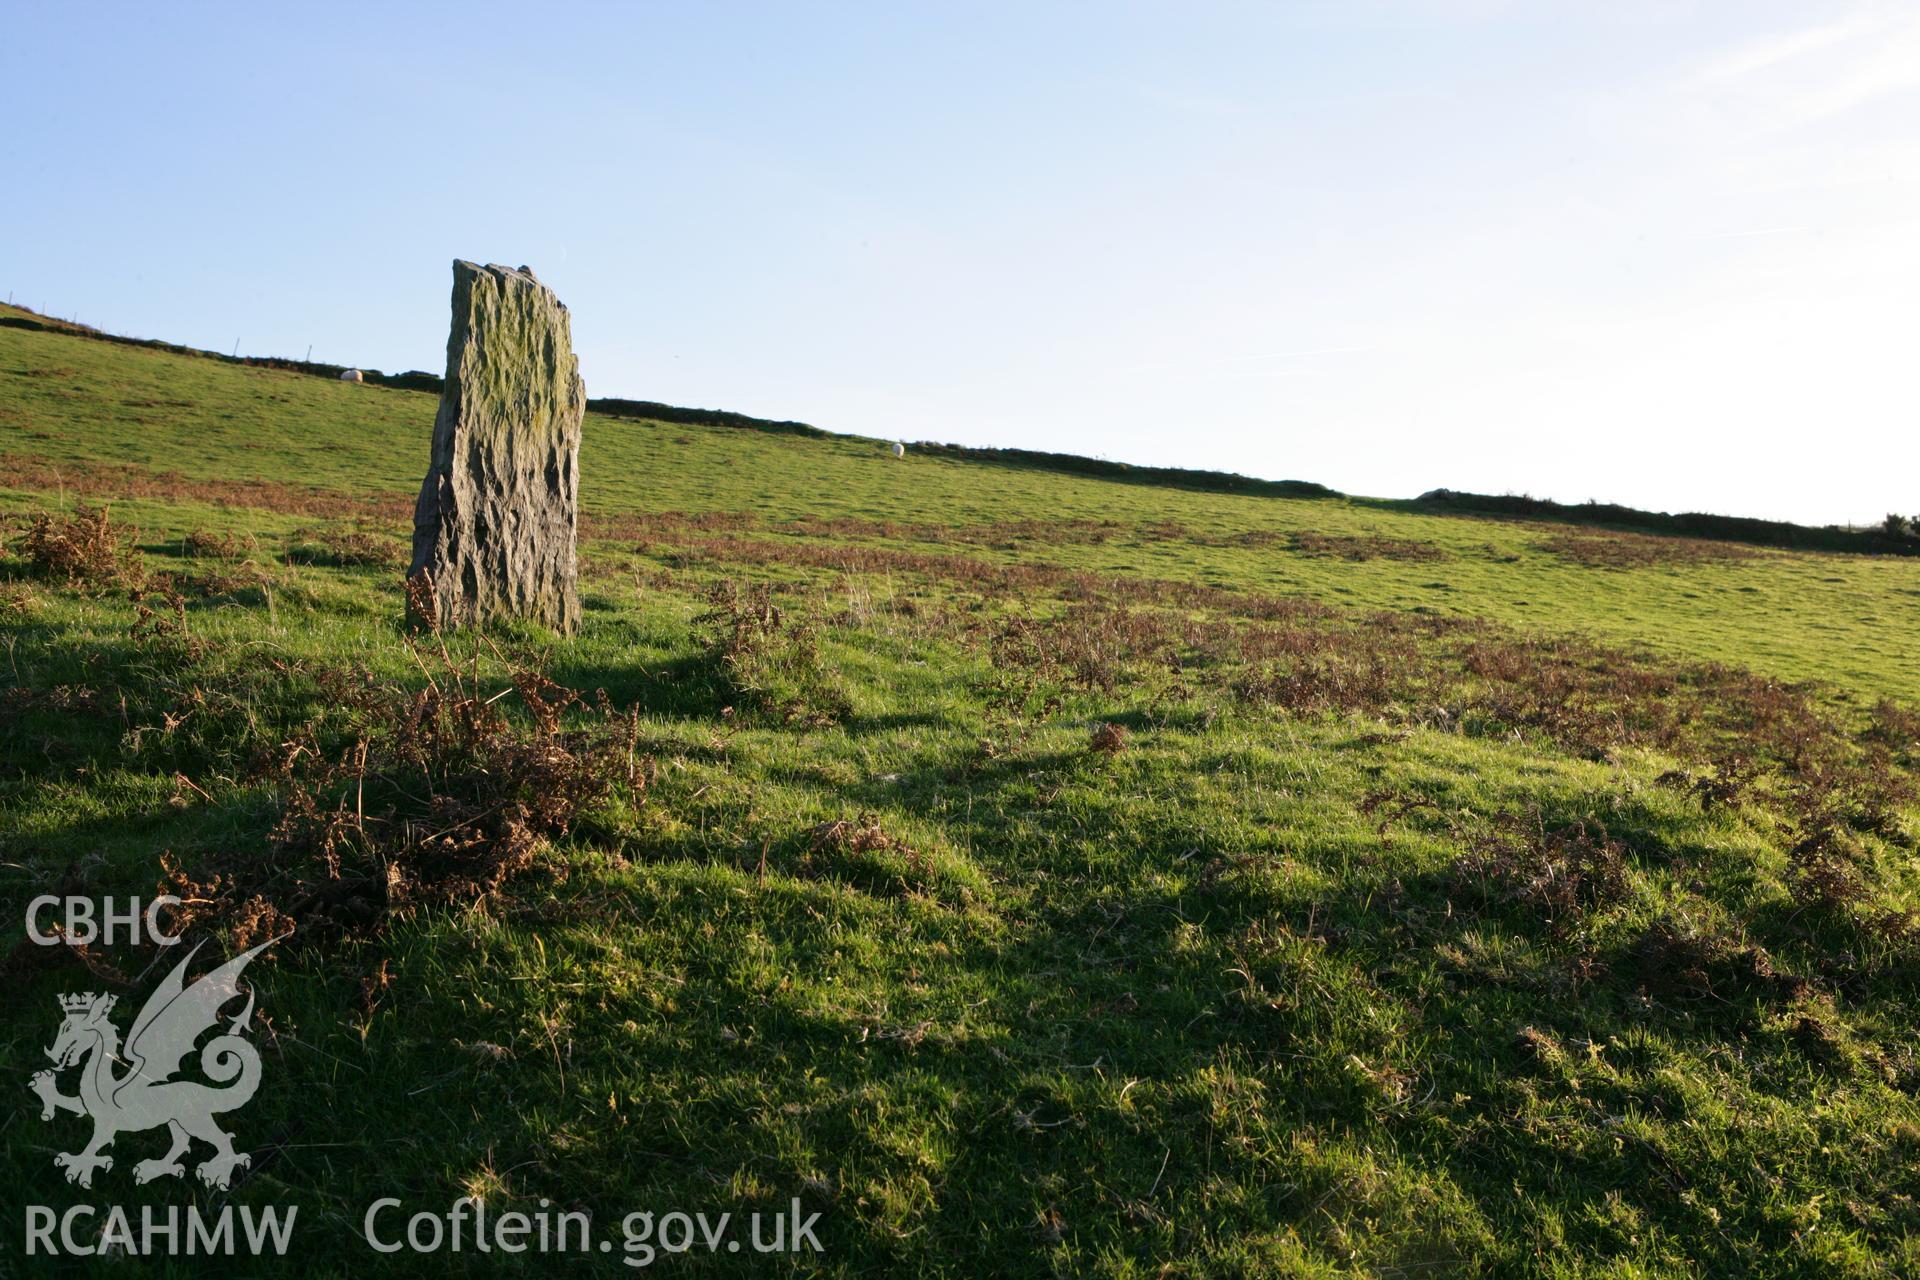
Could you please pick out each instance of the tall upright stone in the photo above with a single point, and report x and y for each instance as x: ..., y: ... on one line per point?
x: 497, y: 523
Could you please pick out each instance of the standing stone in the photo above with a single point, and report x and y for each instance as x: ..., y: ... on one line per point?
x: 497, y: 522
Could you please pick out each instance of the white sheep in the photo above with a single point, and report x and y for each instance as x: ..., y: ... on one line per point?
x: 899, y: 449
x: 351, y: 375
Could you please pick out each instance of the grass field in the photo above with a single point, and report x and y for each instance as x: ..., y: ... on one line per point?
x: 1031, y: 874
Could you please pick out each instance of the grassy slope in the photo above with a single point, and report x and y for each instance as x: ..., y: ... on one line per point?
x: 1209, y: 1002
x: 1845, y: 618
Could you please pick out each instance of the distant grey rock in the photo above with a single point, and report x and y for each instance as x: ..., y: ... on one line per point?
x: 497, y: 523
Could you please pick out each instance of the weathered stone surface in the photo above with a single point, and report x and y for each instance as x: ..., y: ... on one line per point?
x: 497, y: 523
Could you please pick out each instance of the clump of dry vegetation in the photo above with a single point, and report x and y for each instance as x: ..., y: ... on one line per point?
x: 1639, y: 550
x: 853, y: 835
x: 204, y: 544
x: 346, y: 546
x: 131, y: 480
x: 1826, y: 861
x: 82, y: 549
x: 1558, y: 874
x: 863, y: 849
x: 1675, y: 959
x: 435, y: 795
x: 1895, y: 727
x: 1368, y: 546
x: 1727, y: 782
x: 160, y: 628
x: 766, y: 662
x: 1340, y: 546
x: 1308, y: 670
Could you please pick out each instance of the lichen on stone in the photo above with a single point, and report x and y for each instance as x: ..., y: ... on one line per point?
x: 495, y: 530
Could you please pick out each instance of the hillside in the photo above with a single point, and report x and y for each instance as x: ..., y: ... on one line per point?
x: 1033, y: 873
x: 80, y: 406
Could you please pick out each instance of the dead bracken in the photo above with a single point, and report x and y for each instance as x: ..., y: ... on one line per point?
x: 1639, y: 550
x: 438, y: 796
x: 85, y: 548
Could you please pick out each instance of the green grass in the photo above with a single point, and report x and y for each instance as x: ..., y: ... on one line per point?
x: 1848, y: 619
x: 1299, y: 982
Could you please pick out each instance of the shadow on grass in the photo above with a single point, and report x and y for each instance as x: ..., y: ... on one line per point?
x: 683, y: 688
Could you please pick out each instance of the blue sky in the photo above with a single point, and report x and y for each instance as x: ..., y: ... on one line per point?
x: 1661, y: 253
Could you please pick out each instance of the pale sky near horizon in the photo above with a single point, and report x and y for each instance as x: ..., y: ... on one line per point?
x: 1665, y: 254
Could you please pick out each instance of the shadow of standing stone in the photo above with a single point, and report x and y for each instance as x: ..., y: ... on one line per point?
x: 496, y: 527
